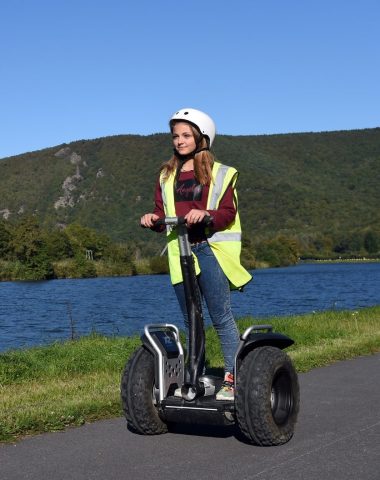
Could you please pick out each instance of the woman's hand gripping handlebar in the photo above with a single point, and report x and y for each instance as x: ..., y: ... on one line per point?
x: 150, y: 220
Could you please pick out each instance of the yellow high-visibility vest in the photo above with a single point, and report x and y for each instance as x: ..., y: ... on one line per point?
x: 226, y: 244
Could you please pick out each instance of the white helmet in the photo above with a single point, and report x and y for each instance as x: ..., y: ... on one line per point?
x: 199, y: 119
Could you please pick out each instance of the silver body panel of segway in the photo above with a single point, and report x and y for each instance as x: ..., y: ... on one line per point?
x: 165, y: 340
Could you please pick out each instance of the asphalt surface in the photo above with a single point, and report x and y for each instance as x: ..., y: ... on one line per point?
x: 337, y: 437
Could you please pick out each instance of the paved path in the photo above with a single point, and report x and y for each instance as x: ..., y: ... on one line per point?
x: 337, y: 437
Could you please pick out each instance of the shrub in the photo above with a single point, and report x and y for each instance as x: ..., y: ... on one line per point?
x: 159, y: 264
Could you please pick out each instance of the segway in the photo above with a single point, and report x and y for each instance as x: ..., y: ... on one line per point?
x: 266, y: 400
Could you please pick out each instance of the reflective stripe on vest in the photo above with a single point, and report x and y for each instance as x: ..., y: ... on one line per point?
x: 217, y: 187
x: 225, y: 237
x: 163, y: 194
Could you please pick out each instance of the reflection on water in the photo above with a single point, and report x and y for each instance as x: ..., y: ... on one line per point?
x: 33, y: 313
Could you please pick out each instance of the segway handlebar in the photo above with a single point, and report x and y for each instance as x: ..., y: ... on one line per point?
x: 174, y: 221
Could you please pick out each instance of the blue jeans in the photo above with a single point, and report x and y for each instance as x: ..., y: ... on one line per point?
x: 214, y: 287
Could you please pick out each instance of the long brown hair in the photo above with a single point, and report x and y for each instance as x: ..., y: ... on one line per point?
x: 203, y: 161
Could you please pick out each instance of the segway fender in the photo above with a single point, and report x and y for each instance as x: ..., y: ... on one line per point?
x: 253, y: 338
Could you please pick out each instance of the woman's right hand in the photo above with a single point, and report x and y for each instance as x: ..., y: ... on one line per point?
x: 148, y: 220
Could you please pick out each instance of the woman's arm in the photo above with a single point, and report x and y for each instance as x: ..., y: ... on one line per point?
x: 148, y: 219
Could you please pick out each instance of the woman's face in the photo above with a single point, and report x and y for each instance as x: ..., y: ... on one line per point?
x: 183, y: 138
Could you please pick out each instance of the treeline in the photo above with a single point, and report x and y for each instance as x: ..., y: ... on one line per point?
x: 29, y: 251
x: 284, y: 250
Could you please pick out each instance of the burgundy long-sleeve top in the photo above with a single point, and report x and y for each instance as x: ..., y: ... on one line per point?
x: 190, y: 194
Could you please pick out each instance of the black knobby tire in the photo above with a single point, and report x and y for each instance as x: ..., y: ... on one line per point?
x: 137, y: 385
x: 267, y: 397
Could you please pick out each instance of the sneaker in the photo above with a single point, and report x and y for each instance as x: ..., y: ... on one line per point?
x: 227, y: 391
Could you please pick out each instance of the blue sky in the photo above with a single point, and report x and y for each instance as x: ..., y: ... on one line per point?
x: 81, y: 69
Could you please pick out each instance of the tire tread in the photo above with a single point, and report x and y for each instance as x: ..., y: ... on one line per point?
x: 253, y: 408
x: 136, y: 394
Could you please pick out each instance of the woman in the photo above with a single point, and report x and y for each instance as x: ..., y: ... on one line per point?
x: 193, y: 184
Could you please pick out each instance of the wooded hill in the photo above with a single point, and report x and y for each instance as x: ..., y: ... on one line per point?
x: 319, y: 189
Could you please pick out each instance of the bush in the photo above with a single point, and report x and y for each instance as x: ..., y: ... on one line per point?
x: 106, y: 269
x: 75, y: 268
x: 65, y: 268
x: 142, y: 266
x: 84, y: 268
x: 159, y: 264
x: 6, y: 270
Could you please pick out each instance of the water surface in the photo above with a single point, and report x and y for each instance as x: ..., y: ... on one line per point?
x: 33, y: 313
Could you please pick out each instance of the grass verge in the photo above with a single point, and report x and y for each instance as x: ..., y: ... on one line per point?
x: 48, y: 388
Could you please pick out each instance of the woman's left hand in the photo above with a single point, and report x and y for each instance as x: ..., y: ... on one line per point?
x: 195, y: 216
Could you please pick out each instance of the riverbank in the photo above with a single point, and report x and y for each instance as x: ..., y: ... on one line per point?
x: 342, y: 260
x: 72, y: 269
x: 49, y: 388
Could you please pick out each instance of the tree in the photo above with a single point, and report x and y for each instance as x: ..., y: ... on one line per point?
x: 351, y: 243
x: 29, y: 248
x: 119, y: 252
x: 58, y: 245
x: 84, y: 239
x: 248, y: 253
x: 279, y: 252
x: 372, y: 242
x: 4, y: 240
x: 27, y: 239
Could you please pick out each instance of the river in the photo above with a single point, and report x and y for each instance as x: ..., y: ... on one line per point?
x: 35, y: 313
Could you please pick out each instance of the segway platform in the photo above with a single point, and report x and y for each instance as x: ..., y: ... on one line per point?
x: 202, y: 410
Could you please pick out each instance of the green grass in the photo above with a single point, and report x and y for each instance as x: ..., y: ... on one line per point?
x: 48, y: 388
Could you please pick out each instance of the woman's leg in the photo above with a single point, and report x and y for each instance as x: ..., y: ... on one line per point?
x: 215, y: 289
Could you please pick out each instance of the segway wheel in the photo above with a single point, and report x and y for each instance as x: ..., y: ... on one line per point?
x: 137, y: 394
x: 267, y: 397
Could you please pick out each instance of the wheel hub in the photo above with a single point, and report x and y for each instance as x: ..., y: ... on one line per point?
x: 281, y: 398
